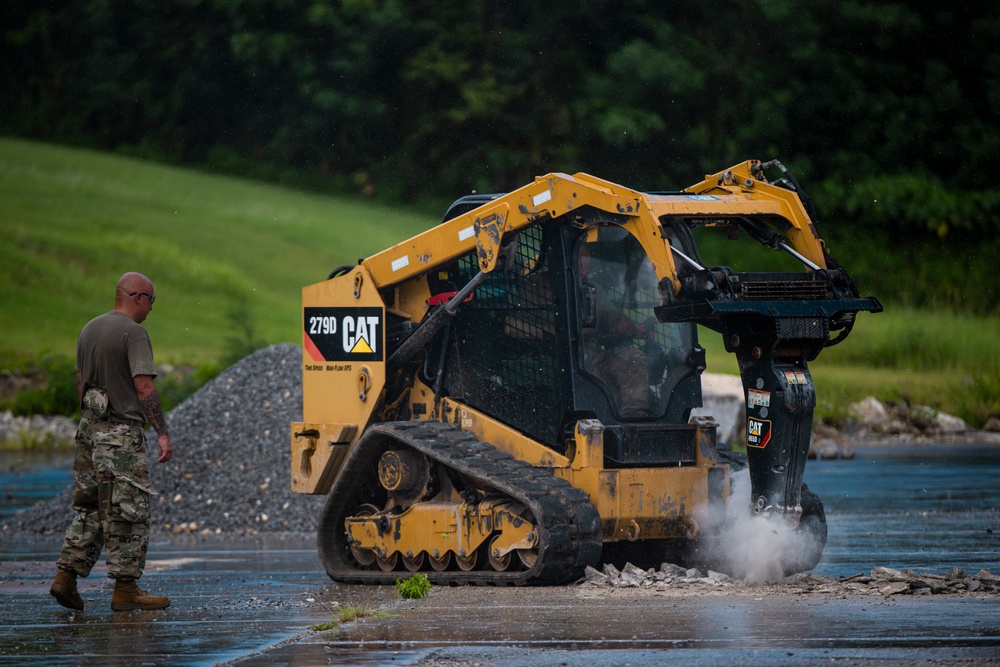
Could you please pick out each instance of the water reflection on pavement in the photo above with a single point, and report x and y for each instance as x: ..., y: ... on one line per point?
x: 253, y: 600
x: 227, y: 599
x: 925, y: 508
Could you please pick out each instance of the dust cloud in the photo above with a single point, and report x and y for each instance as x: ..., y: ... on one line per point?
x: 757, y: 549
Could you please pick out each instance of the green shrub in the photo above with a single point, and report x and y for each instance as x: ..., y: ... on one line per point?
x: 175, y: 384
x: 977, y: 397
x: 413, y: 588
x: 915, y: 204
x: 242, y: 339
x: 48, y: 387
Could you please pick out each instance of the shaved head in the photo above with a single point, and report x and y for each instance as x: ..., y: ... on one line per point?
x: 134, y: 296
x: 132, y: 282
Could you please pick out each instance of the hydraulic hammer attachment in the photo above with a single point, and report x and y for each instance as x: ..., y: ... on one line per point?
x: 775, y: 323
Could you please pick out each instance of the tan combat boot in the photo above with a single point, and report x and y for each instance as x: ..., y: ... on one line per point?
x: 64, y: 590
x: 128, y: 596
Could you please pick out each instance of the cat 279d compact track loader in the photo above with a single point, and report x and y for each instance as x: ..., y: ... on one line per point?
x: 506, y: 398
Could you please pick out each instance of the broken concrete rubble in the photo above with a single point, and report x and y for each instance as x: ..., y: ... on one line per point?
x: 883, y: 581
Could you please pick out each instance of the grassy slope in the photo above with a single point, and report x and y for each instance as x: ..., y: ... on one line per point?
x: 72, y: 221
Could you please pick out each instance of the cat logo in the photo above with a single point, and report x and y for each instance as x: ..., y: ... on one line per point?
x: 343, y: 334
x: 758, y: 432
x: 359, y: 334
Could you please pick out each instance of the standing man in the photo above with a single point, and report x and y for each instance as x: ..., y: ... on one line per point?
x: 114, y: 379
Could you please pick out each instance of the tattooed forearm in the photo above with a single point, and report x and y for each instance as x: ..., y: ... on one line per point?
x: 151, y: 406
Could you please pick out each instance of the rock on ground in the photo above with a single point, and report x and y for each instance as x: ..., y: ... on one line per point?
x: 905, y: 419
x: 36, y: 428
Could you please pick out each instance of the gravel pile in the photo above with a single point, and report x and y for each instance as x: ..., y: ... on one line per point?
x: 230, y: 470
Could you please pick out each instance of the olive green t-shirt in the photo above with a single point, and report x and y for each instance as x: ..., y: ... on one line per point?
x: 111, y: 350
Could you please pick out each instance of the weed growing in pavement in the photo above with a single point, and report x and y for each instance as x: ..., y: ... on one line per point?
x: 413, y: 588
x: 346, y: 615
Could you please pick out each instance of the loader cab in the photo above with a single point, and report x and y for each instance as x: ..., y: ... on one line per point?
x: 568, y: 333
x: 639, y: 377
x: 637, y: 363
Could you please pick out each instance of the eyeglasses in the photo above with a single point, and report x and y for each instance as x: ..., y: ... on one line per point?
x: 151, y: 297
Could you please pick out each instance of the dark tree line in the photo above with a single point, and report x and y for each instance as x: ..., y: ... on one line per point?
x: 888, y: 109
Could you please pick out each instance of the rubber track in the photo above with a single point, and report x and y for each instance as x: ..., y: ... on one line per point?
x: 570, y: 527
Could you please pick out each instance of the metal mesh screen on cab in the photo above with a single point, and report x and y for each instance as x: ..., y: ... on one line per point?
x: 508, y: 357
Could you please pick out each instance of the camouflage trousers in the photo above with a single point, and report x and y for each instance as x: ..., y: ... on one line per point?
x: 111, y: 499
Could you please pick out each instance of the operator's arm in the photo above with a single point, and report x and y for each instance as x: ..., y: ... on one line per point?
x: 149, y: 399
x: 627, y: 327
x: 618, y: 321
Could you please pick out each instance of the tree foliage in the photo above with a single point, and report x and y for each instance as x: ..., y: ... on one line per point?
x: 889, y: 109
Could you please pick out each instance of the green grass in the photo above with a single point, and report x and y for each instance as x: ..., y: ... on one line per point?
x: 73, y: 221
x: 938, y: 358
x: 229, y: 257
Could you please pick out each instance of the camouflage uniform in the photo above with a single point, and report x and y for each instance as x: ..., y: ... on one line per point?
x: 112, y: 494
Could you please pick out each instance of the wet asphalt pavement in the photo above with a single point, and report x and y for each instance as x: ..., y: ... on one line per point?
x: 252, y: 601
x: 227, y: 599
